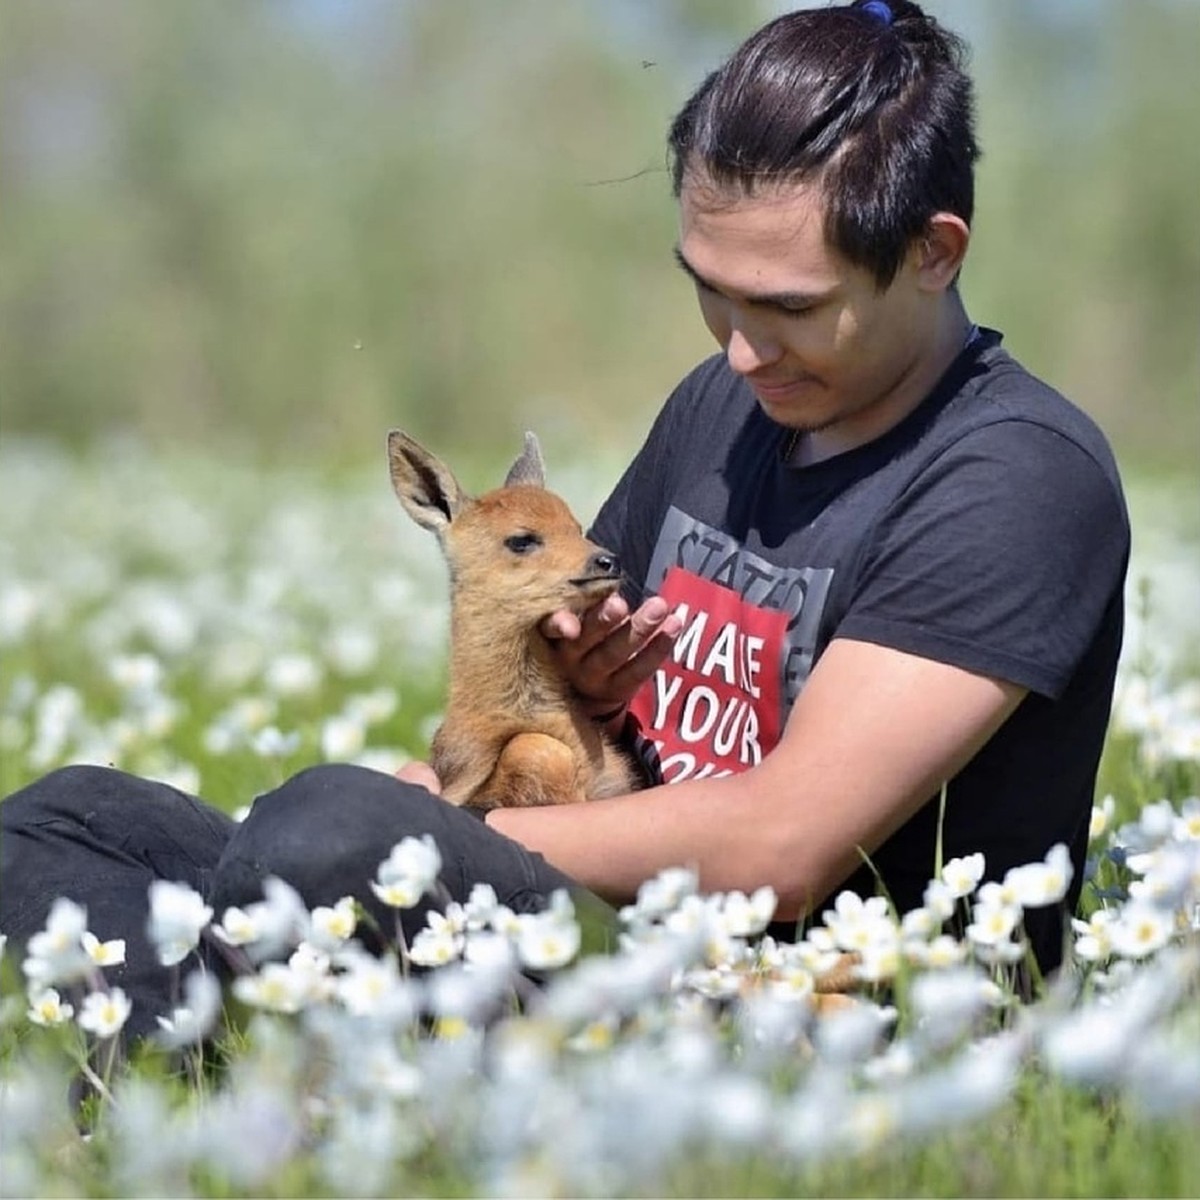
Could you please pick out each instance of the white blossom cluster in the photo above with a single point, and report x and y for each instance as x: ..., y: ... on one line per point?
x: 137, y: 603
x: 225, y: 625
x: 551, y: 1073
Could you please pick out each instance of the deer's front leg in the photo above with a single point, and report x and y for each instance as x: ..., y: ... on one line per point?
x: 533, y: 769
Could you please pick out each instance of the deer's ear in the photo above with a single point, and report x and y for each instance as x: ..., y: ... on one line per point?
x: 529, y: 468
x: 424, y: 485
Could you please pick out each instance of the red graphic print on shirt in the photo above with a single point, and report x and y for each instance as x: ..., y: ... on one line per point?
x: 713, y: 707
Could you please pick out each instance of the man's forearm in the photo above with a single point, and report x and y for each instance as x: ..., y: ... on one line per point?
x: 720, y: 827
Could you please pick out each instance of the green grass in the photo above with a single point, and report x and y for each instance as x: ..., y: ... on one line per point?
x: 255, y: 585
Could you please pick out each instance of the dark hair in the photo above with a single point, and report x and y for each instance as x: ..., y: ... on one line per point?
x: 870, y: 99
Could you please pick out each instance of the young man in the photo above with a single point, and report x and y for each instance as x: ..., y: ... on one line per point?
x: 884, y: 564
x: 898, y: 557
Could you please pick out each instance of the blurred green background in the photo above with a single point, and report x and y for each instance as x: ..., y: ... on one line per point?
x: 275, y: 228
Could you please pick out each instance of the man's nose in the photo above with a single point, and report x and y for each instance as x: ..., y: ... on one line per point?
x: 749, y: 350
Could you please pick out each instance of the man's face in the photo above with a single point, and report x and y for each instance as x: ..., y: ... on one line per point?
x: 821, y: 346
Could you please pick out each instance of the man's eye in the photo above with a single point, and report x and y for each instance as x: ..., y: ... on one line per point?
x: 799, y: 310
x: 522, y: 543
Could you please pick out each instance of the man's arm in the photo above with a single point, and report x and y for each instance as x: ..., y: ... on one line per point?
x: 874, y: 733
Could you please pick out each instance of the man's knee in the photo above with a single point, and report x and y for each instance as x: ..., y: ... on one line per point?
x: 58, y: 794
x: 325, y: 831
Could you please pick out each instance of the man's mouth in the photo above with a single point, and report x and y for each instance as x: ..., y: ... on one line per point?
x: 779, y: 387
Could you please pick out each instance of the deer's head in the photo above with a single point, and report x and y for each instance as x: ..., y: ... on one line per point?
x: 516, y: 554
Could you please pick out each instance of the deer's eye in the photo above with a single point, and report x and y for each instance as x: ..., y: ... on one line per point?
x: 522, y: 543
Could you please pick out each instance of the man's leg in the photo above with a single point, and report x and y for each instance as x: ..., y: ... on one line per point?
x: 326, y: 830
x: 100, y: 837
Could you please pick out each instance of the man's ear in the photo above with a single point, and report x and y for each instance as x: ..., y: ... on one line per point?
x: 940, y: 251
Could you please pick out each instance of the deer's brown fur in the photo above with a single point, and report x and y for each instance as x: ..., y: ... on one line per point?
x: 513, y: 732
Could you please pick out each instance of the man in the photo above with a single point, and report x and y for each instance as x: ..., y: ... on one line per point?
x: 884, y: 564
x: 899, y: 557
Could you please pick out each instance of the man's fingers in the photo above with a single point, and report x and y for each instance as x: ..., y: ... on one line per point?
x: 562, y: 626
x: 422, y: 774
x: 630, y: 638
x: 641, y: 665
x: 648, y: 619
x: 619, y: 665
x: 599, y: 621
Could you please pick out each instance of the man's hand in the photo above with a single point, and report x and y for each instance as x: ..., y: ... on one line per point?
x: 422, y: 774
x: 609, y: 653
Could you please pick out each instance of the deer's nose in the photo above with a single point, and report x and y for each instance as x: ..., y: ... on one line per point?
x: 604, y: 563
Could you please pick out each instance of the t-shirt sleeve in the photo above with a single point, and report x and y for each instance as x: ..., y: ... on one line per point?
x: 1000, y: 557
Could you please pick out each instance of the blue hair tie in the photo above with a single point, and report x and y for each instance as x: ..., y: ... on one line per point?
x: 880, y: 11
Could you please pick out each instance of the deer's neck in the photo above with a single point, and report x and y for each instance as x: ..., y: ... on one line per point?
x: 499, y: 667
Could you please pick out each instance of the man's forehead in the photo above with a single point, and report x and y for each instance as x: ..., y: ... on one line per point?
x: 724, y: 232
x: 785, y: 211
x: 700, y: 191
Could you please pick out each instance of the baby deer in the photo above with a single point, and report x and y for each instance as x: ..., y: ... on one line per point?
x: 513, y: 732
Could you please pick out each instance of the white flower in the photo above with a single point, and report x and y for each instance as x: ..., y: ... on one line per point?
x: 371, y: 708
x: 440, y: 942
x: 943, y: 951
x: 1170, y: 876
x: 271, y: 742
x: 1139, y: 930
x: 856, y: 924
x: 293, y: 675
x: 236, y: 927
x: 664, y: 892
x: 104, y: 954
x: 740, y: 915
x: 276, y: 987
x: 791, y: 981
x: 546, y: 941
x: 1040, y: 884
x: 136, y: 672
x: 992, y: 924
x: 372, y: 987
x: 946, y: 1003
x: 879, y: 961
x: 489, y: 951
x: 815, y: 952
x: 999, y: 954
x: 849, y: 1036
x: 104, y: 1013
x: 1089, y: 1045
x: 1102, y: 816
x: 191, y: 1022
x: 1187, y: 825
x: 333, y: 926
x: 351, y: 650
x: 178, y: 915
x: 998, y: 895
x: 939, y: 899
x: 46, y: 1007
x: 56, y: 953
x: 481, y: 906
x: 408, y: 873
x: 269, y: 926
x: 962, y: 875
x: 342, y: 737
x: 311, y: 967
x: 920, y: 923
x: 1093, y: 943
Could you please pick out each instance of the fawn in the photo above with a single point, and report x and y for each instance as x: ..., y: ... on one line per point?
x: 513, y: 733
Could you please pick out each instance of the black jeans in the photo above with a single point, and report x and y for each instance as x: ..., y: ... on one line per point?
x: 100, y: 837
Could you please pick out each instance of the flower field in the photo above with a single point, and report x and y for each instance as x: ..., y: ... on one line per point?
x: 219, y: 628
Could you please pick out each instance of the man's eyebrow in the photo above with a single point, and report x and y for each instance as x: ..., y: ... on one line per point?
x: 768, y: 299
